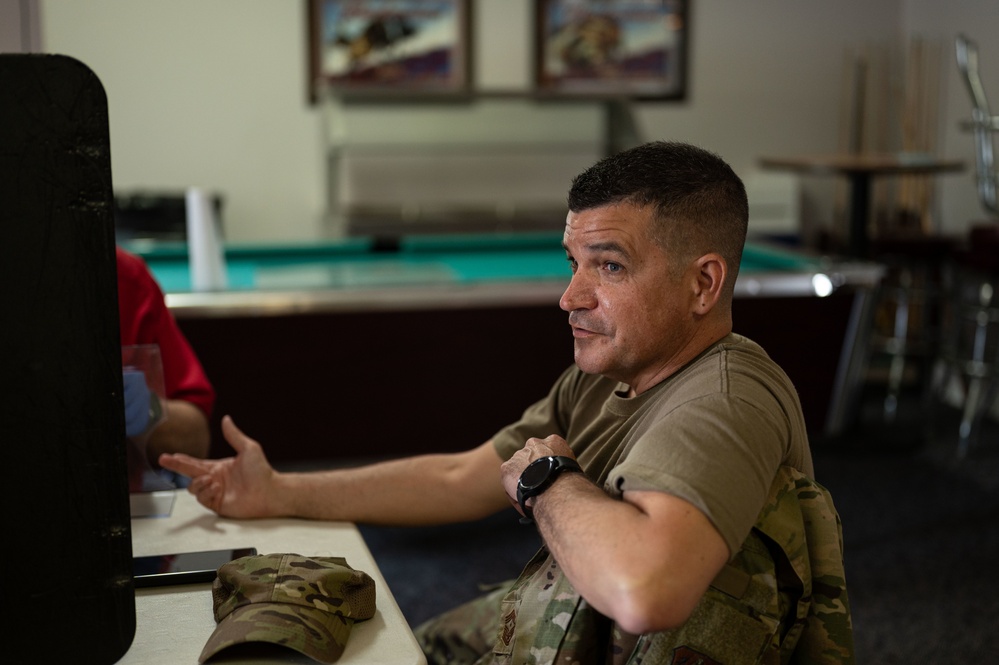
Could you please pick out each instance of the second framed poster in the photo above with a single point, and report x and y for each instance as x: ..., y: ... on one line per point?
x: 632, y: 48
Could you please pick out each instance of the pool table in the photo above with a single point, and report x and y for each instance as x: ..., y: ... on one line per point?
x: 350, y: 348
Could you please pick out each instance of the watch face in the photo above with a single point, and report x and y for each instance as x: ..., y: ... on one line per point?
x: 536, y: 472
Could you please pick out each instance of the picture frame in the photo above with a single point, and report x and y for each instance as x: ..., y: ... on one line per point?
x: 611, y: 48
x: 389, y: 47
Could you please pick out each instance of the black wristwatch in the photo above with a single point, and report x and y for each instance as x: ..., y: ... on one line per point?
x: 539, y: 476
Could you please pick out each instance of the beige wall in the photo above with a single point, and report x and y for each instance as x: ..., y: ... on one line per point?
x: 213, y: 93
x: 979, y: 21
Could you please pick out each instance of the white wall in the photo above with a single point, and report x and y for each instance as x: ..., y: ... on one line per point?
x: 206, y: 93
x: 214, y: 93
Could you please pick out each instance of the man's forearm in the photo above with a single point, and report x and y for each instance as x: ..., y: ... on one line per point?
x: 644, y: 563
x: 421, y: 490
x: 587, y: 532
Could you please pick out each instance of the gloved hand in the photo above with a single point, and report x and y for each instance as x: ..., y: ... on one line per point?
x: 137, y: 402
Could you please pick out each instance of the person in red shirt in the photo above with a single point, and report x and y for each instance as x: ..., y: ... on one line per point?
x: 190, y: 397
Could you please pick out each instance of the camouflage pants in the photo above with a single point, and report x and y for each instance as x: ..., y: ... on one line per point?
x: 464, y: 635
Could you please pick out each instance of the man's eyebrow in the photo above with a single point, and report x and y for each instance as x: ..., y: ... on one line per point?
x: 606, y: 246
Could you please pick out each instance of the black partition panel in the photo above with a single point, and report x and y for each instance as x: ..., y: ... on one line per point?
x: 67, y: 585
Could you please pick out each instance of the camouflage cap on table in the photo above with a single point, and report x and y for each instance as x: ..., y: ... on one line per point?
x: 305, y: 603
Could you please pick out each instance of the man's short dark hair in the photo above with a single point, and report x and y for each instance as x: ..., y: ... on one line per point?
x: 698, y: 202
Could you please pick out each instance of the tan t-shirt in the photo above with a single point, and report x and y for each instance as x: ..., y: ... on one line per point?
x: 713, y: 433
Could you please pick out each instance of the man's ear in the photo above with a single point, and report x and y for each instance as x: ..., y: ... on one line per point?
x: 711, y: 272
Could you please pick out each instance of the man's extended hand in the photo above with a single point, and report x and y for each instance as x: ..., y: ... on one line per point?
x: 532, y: 450
x: 233, y: 487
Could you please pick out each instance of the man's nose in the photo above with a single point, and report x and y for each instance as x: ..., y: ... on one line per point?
x: 578, y: 295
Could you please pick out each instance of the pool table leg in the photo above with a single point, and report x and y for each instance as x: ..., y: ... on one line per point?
x: 844, y: 408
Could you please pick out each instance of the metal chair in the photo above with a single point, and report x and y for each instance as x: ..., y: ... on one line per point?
x: 983, y: 124
x: 972, y: 348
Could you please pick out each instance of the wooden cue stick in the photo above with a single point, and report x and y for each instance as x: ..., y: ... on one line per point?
x: 931, y: 106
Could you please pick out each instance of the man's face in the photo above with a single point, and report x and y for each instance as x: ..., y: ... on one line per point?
x: 631, y: 317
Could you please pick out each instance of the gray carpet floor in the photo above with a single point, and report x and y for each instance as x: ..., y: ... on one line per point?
x: 921, y: 534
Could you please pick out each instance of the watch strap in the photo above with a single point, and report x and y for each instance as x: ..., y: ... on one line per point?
x: 557, y: 464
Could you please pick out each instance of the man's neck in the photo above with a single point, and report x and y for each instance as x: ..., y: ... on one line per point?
x: 692, y: 352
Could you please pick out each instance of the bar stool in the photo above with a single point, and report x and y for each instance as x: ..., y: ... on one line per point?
x: 971, y: 347
x: 908, y: 313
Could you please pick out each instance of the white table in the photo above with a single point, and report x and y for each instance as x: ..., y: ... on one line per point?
x: 174, y: 622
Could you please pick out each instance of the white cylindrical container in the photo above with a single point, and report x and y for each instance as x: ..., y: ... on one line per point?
x: 204, y: 243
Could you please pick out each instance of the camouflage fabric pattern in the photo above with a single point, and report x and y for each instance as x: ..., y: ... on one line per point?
x: 461, y: 636
x: 810, y: 539
x: 306, y: 604
x: 781, y: 599
x: 542, y: 619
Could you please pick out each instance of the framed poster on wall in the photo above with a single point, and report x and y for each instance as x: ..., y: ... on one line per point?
x: 408, y: 47
x: 630, y: 48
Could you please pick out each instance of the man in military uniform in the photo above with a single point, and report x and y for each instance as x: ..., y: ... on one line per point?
x: 668, y: 470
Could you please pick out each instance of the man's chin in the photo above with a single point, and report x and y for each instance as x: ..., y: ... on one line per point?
x: 587, y: 364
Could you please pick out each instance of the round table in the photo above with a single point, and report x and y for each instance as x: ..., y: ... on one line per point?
x: 861, y: 169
